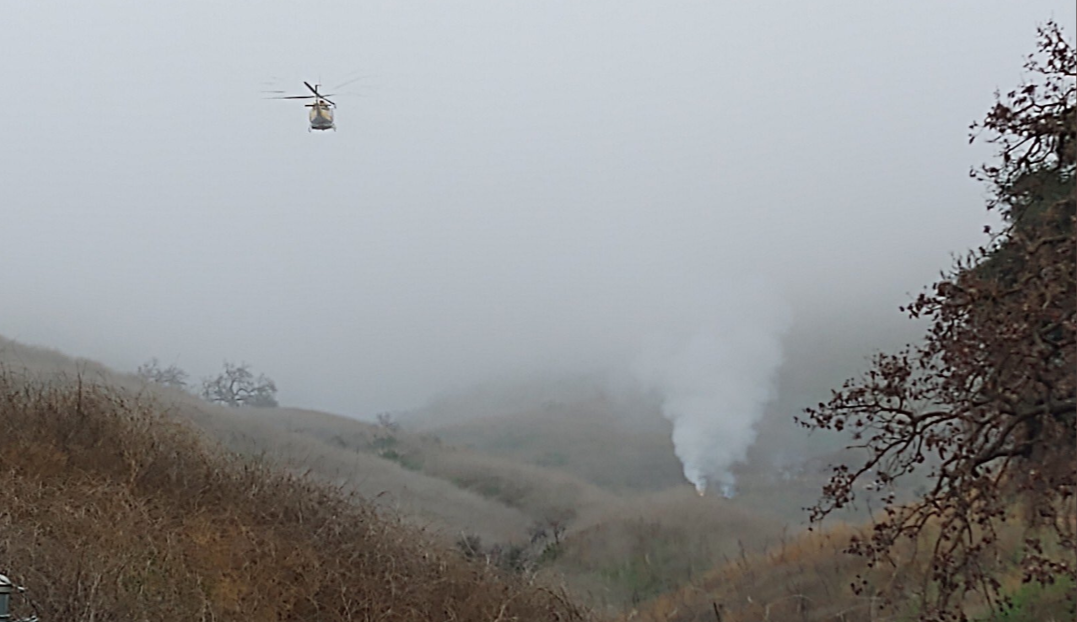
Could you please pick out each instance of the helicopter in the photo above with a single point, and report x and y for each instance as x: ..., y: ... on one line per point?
x: 321, y: 109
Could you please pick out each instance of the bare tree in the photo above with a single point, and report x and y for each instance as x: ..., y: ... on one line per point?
x: 388, y: 421
x: 556, y: 524
x: 237, y: 386
x: 171, y: 376
x: 987, y: 401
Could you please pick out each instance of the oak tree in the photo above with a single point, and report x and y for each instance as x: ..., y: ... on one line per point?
x: 238, y: 386
x: 986, y: 403
x: 171, y: 376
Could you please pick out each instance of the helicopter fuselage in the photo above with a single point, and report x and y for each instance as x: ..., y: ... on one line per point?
x: 321, y: 109
x: 321, y: 116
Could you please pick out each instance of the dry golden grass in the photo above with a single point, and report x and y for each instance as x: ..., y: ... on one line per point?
x: 297, y: 441
x: 809, y: 578
x: 805, y: 578
x: 655, y: 544
x: 113, y: 512
x: 532, y: 492
x: 294, y: 439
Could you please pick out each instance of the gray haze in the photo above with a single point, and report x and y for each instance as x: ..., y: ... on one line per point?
x: 520, y: 185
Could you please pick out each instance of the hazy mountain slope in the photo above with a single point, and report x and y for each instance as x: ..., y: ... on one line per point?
x: 426, y: 500
x: 538, y: 492
x: 617, y: 442
x: 114, y: 511
x: 612, y: 434
x: 597, y: 466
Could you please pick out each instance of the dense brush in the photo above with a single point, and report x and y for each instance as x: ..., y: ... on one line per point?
x: 112, y: 511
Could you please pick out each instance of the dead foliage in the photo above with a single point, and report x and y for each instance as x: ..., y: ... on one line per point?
x: 987, y: 402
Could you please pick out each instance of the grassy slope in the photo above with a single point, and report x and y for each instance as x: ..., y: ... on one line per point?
x: 635, y: 529
x: 113, y: 511
x: 658, y: 534
x: 809, y: 578
x: 619, y: 444
x: 654, y: 544
x: 618, y: 539
x: 425, y: 500
x: 636, y: 532
x: 618, y: 549
x: 534, y: 492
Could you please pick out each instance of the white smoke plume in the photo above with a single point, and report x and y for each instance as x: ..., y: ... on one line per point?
x: 715, y: 381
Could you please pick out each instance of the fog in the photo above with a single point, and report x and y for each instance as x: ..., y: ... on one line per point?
x: 514, y: 186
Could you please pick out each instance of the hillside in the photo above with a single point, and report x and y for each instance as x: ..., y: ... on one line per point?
x: 563, y: 434
x: 628, y: 527
x: 617, y: 439
x: 534, y: 492
x: 423, y: 500
x: 120, y: 508
x: 114, y: 511
x: 808, y: 577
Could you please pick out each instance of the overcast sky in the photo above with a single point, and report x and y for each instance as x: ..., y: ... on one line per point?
x: 514, y: 184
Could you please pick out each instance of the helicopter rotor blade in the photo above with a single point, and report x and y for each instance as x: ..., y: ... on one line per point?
x: 314, y: 89
x: 351, y: 81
